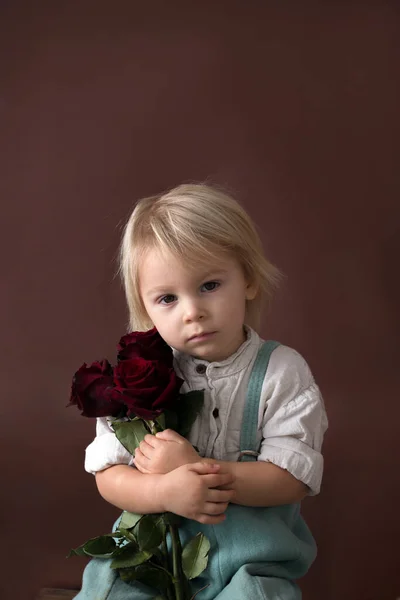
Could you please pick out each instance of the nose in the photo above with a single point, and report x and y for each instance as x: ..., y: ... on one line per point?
x: 193, y: 311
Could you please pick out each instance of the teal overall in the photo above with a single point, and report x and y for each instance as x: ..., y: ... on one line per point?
x: 257, y: 553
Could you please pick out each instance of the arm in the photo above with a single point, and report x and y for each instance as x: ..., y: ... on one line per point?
x: 255, y: 483
x: 131, y: 490
x: 128, y: 489
x: 263, y: 484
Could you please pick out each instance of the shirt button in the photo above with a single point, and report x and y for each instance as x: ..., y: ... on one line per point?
x: 215, y: 413
x: 201, y: 369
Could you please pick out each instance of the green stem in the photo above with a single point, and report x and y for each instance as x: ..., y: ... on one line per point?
x: 164, y: 550
x: 154, y: 427
x: 176, y: 563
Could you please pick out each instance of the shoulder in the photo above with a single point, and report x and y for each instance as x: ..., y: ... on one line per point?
x: 288, y: 376
x: 287, y: 363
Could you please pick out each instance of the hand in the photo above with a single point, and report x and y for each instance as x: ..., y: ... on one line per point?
x: 191, y: 491
x: 164, y: 452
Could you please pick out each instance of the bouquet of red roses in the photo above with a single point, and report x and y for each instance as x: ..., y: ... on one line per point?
x: 141, y: 394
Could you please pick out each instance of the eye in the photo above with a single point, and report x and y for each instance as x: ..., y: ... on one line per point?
x: 210, y: 286
x: 167, y: 299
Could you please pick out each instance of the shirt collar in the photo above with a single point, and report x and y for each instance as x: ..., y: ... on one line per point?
x: 234, y: 363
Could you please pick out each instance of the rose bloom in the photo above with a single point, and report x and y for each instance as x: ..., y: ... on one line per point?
x: 145, y: 387
x: 145, y: 344
x: 92, y: 388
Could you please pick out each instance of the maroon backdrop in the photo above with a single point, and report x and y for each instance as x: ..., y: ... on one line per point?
x: 292, y: 105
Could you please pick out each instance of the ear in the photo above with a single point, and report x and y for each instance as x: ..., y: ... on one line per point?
x: 251, y: 291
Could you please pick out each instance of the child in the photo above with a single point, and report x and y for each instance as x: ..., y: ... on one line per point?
x: 193, y: 267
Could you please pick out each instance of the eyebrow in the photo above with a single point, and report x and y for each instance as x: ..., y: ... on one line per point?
x: 157, y: 290
x: 164, y: 289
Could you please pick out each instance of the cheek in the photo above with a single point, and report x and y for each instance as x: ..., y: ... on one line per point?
x: 162, y: 320
x: 154, y: 316
x: 168, y: 330
x: 151, y: 313
x: 235, y: 311
x: 233, y: 302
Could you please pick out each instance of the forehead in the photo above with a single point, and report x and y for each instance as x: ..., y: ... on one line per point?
x: 159, y: 269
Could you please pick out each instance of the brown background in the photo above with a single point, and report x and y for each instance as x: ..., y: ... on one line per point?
x: 295, y: 107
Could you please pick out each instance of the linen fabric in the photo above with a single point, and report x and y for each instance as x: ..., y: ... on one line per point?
x: 291, y: 416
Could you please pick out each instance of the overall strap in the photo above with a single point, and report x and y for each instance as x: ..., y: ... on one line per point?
x: 248, y: 438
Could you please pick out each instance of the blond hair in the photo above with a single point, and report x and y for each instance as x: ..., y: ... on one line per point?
x: 199, y: 224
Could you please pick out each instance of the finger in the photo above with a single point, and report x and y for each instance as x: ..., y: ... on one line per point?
x: 215, y: 508
x: 146, y: 449
x: 170, y: 435
x: 149, y: 439
x: 210, y: 520
x: 142, y: 469
x: 215, y: 480
x: 203, y: 468
x: 220, y: 495
x: 141, y: 459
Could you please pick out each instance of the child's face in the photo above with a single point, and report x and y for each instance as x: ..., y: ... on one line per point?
x: 200, y: 312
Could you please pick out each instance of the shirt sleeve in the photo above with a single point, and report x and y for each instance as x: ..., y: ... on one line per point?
x: 293, y: 418
x: 105, y: 450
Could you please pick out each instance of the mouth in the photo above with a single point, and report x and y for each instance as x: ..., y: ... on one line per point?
x: 199, y: 337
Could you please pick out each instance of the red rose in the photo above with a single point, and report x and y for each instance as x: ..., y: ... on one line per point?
x: 145, y: 344
x: 146, y: 387
x: 92, y: 390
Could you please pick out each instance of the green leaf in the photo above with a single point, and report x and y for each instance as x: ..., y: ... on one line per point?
x: 127, y: 534
x: 127, y: 574
x: 76, y: 552
x: 195, y: 556
x: 171, y: 519
x: 130, y: 433
x: 148, y: 574
x: 154, y: 577
x: 132, y: 544
x: 80, y: 551
x: 101, y: 547
x: 130, y: 556
x: 190, y: 405
x: 160, y: 420
x: 161, y: 524
x: 129, y: 520
x: 148, y: 533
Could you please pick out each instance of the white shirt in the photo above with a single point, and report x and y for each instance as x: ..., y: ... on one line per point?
x: 291, y: 421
